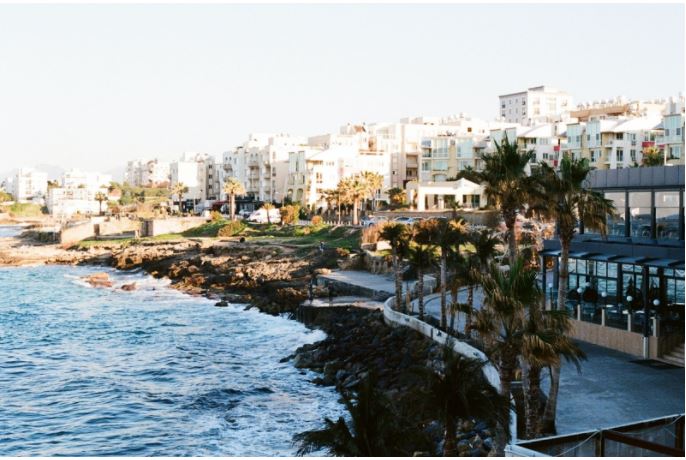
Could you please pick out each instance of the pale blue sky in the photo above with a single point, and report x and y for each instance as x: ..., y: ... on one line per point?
x: 95, y: 85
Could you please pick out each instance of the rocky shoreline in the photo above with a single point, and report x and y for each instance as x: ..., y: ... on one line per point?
x: 274, y: 278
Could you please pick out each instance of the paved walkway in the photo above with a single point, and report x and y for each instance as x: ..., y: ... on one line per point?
x: 613, y: 390
x: 345, y: 301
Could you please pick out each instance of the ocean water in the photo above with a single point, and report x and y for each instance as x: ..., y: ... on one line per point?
x: 10, y: 230
x: 87, y: 371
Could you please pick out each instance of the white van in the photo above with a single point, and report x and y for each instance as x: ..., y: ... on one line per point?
x: 260, y: 216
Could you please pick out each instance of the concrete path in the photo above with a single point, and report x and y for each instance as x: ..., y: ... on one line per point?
x: 432, y: 305
x: 613, y: 390
x: 345, y: 301
x: 362, y: 279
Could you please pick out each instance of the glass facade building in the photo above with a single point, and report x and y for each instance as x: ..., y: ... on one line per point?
x: 633, y: 277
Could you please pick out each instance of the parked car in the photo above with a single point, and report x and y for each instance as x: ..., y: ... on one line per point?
x: 260, y: 216
x: 407, y: 220
x: 373, y: 220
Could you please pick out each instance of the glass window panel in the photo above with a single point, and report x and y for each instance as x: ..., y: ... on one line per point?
x: 639, y: 208
x: 601, y: 268
x: 615, y: 224
x: 612, y: 270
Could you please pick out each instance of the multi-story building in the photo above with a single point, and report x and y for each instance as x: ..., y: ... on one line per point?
x: 76, y: 178
x: 261, y: 164
x: 540, y: 104
x: 626, y: 290
x: 617, y: 108
x: 313, y: 170
x: 671, y: 140
x: 545, y: 140
x: 611, y: 143
x: 64, y: 202
x: 147, y: 173
x: 192, y: 171
x: 30, y: 185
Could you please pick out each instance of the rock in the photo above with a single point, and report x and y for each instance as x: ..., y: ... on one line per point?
x: 101, y: 279
x: 222, y: 303
x: 129, y: 287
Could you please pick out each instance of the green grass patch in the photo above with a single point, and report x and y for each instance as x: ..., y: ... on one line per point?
x: 23, y: 210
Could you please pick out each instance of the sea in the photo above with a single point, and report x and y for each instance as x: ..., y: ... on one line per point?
x: 90, y: 371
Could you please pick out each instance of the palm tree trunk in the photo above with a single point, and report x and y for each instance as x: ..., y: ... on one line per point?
x: 532, y: 401
x: 547, y: 426
x: 232, y: 205
x: 510, y: 218
x: 444, y: 269
x: 355, y: 205
x: 420, y: 289
x: 506, y: 373
x: 398, y: 280
x: 449, y: 441
x: 563, y: 277
x: 470, y: 309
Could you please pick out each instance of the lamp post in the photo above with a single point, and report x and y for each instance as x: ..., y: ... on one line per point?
x: 550, y: 290
x: 629, y: 299
x: 579, y: 290
x: 603, y: 309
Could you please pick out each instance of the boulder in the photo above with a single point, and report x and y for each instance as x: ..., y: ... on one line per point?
x: 101, y: 279
x: 129, y: 287
x: 222, y: 303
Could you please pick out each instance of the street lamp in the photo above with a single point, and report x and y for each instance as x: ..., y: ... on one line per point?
x: 579, y: 290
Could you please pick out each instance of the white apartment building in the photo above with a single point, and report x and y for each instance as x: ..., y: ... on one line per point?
x: 30, y: 185
x: 76, y: 178
x: 261, y: 164
x: 147, y: 173
x: 540, y: 104
x: 545, y: 140
x: 311, y: 171
x: 192, y: 171
x: 64, y: 202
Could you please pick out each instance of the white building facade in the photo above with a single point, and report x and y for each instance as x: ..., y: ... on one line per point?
x: 30, y: 185
x: 147, y: 173
x: 540, y: 104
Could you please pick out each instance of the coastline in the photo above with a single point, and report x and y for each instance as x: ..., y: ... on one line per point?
x: 273, y: 278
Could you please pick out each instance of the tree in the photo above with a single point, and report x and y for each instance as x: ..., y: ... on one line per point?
x: 397, y: 236
x: 545, y: 340
x: 373, y: 183
x: 233, y: 187
x: 507, y: 185
x: 268, y: 206
x: 652, y: 156
x: 563, y: 197
x: 179, y: 189
x: 374, y: 430
x: 353, y: 190
x: 100, y: 197
x: 421, y: 257
x: 501, y: 320
x: 460, y: 390
x: 396, y: 196
x: 446, y: 235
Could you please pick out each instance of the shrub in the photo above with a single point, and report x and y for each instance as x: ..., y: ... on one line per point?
x: 216, y: 216
x: 289, y: 214
x: 316, y: 221
x: 370, y: 235
x: 232, y: 228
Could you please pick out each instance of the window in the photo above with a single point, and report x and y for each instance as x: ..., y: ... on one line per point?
x: 667, y: 132
x: 620, y: 136
x: 597, y: 137
x: 632, y: 153
x: 620, y: 156
x: 615, y: 224
x: 675, y: 153
x: 639, y: 210
x: 678, y: 131
x: 667, y: 215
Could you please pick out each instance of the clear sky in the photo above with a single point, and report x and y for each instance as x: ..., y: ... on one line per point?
x: 92, y: 86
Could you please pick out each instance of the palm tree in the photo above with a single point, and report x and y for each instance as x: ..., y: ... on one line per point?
x: 652, y: 156
x: 446, y: 235
x: 179, y: 189
x: 397, y: 236
x: 373, y: 182
x: 545, y: 340
x: 501, y: 320
x: 100, y: 197
x: 461, y: 391
x: 268, y: 206
x: 507, y: 185
x: 233, y: 187
x: 564, y: 198
x: 421, y: 257
x: 353, y: 190
x: 374, y: 430
x: 396, y: 196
